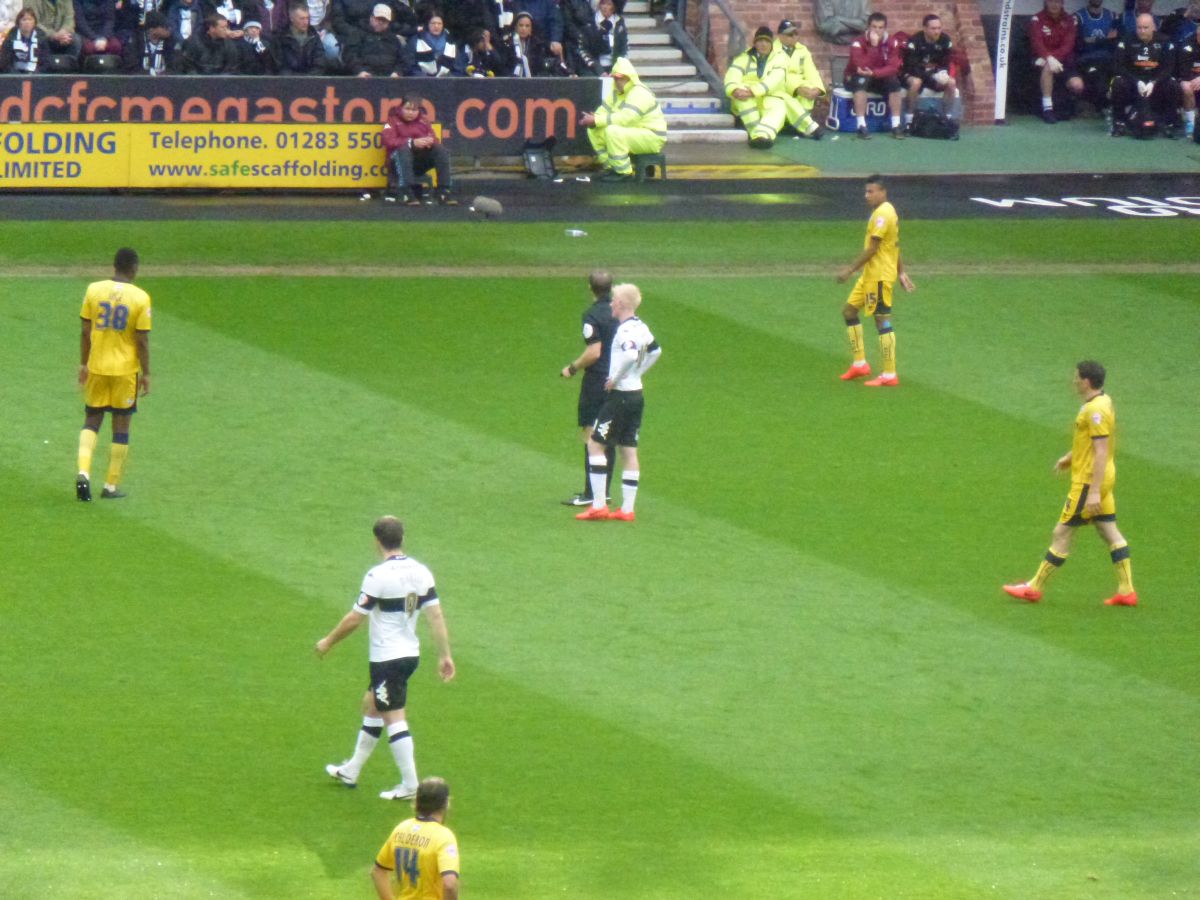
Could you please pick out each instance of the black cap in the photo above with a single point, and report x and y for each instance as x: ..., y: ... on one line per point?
x: 763, y: 32
x: 787, y: 25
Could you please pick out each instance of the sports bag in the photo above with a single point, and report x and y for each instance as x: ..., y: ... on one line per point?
x: 934, y: 125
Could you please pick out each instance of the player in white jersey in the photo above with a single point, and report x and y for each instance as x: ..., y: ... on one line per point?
x: 634, y: 351
x: 393, y: 596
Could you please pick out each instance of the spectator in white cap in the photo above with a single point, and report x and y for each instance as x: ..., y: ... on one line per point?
x: 256, y: 53
x: 378, y: 51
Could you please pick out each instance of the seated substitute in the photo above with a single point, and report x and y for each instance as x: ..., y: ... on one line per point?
x: 1052, y: 44
x: 1095, y: 34
x: 752, y: 85
x: 1187, y: 71
x: 413, y: 149
x: 25, y: 46
x: 1144, y: 81
x: 630, y: 121
x: 927, y: 66
x: 874, y: 67
x: 801, y: 85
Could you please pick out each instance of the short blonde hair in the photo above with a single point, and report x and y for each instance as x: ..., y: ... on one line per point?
x: 628, y: 296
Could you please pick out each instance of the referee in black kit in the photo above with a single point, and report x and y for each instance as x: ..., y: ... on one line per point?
x: 599, y: 326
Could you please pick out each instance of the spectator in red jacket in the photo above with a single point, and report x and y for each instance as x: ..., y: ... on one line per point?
x: 874, y: 66
x: 1052, y: 45
x: 413, y: 149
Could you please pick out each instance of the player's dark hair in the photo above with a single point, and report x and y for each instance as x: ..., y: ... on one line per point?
x: 126, y: 261
x: 433, y: 795
x: 876, y: 179
x: 1091, y: 372
x: 932, y: 17
x: 389, y: 531
x: 600, y: 282
x: 876, y: 17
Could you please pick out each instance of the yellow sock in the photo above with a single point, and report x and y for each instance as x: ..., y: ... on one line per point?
x: 1047, y: 568
x: 887, y: 347
x: 856, y: 343
x: 87, y: 446
x: 1120, y: 557
x: 116, y: 462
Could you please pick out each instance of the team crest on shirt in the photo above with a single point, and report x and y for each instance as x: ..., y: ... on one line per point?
x: 879, y: 222
x: 1096, y: 418
x: 628, y: 345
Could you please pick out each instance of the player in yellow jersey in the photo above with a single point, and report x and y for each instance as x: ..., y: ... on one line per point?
x: 1090, y: 499
x: 881, y: 265
x: 422, y: 852
x: 114, y: 367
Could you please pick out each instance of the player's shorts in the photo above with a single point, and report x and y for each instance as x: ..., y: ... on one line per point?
x: 1073, y: 514
x: 591, y: 397
x: 883, y: 86
x: 110, y: 393
x: 620, y: 419
x: 389, y: 682
x: 877, y: 300
x: 1070, y: 70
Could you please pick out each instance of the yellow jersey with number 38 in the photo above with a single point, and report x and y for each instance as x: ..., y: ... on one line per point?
x: 117, y: 310
x: 420, y: 851
x: 1097, y: 419
x: 885, y: 225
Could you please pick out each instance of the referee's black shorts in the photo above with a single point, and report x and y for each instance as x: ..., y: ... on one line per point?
x: 591, y: 398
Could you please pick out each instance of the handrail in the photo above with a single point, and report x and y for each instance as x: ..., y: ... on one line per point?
x: 695, y: 49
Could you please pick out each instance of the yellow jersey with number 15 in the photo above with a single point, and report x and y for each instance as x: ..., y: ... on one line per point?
x: 420, y: 851
x: 885, y: 225
x: 117, y: 310
x: 1096, y: 419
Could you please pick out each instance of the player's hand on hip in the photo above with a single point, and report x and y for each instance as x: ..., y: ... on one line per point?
x: 446, y: 668
x: 907, y: 283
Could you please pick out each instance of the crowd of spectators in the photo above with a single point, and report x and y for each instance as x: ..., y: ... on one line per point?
x: 465, y: 38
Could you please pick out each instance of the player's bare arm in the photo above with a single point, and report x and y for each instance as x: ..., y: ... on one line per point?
x: 905, y: 281
x: 449, y: 886
x: 441, y: 635
x: 349, y: 622
x: 143, y: 352
x: 585, y: 361
x: 85, y: 349
x: 1091, y: 505
x: 382, y: 879
x: 1063, y: 463
x: 861, y: 260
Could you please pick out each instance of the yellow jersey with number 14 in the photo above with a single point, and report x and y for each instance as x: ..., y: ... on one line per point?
x: 1096, y: 419
x: 420, y: 851
x: 117, y: 310
x: 885, y: 225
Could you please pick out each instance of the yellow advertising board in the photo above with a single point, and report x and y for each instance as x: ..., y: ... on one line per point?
x: 191, y: 155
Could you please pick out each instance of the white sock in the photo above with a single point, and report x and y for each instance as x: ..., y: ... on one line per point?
x: 401, y: 743
x: 598, y: 476
x: 895, y: 121
x: 629, y: 486
x: 908, y: 118
x: 861, y: 121
x: 1189, y: 115
x: 368, y: 737
x: 1047, y: 103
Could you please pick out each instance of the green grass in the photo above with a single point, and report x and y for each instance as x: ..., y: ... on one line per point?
x: 793, y: 677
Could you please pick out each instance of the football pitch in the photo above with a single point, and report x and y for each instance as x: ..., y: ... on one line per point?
x: 794, y: 676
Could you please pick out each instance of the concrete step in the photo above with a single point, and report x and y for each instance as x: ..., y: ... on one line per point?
x: 686, y: 105
x: 637, y: 7
x: 638, y: 56
x: 663, y: 71
x: 647, y: 38
x: 674, y: 87
x: 699, y: 120
x: 705, y: 136
x: 639, y: 23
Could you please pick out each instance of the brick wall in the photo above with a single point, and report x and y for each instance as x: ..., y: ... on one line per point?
x: 960, y: 18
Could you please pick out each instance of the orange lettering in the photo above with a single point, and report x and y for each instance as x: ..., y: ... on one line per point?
x: 237, y: 104
x: 195, y: 109
x: 99, y: 103
x: 272, y: 104
x: 358, y: 104
x: 301, y: 109
x: 472, y: 104
x: 44, y: 104
x: 509, y: 107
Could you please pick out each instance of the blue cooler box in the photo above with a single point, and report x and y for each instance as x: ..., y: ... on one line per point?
x: 841, y: 112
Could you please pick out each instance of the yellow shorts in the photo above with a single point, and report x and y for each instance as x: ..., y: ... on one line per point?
x: 1073, y: 514
x: 877, y: 296
x: 112, y: 393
